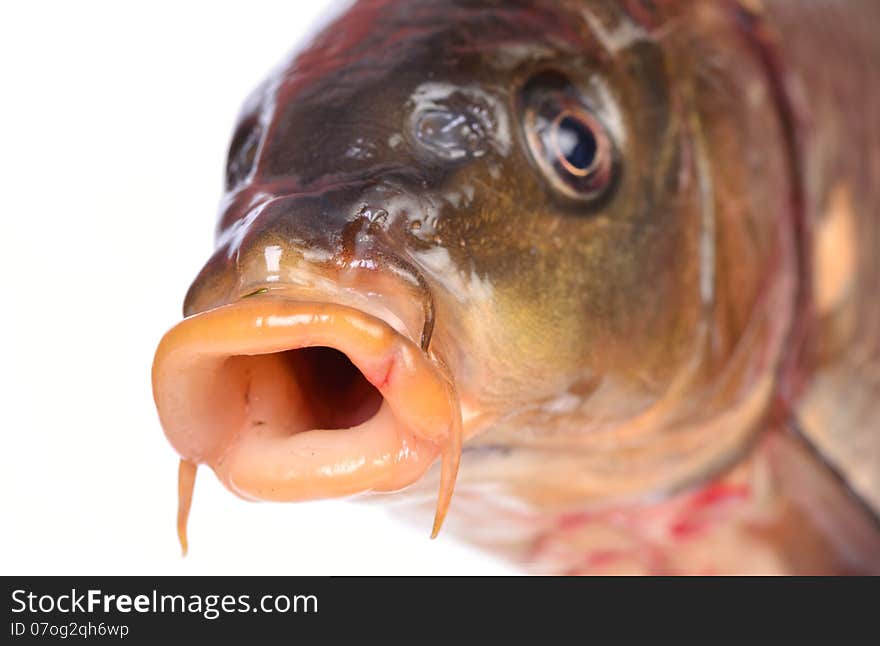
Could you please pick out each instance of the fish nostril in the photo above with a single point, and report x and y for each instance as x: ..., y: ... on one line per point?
x: 243, y: 150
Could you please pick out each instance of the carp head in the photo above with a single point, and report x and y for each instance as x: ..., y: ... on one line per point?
x: 557, y: 234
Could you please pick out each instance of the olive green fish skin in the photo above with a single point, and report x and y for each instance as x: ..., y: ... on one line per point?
x: 603, y: 351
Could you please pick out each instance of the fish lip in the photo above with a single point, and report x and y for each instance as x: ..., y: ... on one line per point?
x: 202, y: 405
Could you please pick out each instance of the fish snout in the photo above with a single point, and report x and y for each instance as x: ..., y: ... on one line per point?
x: 336, y: 246
x: 302, y: 371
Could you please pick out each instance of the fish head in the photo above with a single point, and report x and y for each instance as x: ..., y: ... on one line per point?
x: 555, y: 232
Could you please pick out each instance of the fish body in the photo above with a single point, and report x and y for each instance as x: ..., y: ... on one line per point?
x: 606, y: 267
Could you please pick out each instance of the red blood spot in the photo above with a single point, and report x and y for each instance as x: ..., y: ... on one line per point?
x: 382, y: 376
x: 573, y: 521
x: 720, y: 492
x: 697, y: 517
x: 603, y: 557
x: 688, y: 528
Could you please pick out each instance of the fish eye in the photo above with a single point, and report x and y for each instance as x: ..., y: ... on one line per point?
x: 568, y: 142
x: 243, y: 152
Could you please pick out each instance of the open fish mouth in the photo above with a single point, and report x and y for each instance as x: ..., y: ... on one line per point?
x: 294, y: 401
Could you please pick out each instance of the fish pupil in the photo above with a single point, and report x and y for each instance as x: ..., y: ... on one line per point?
x: 567, y: 140
x: 577, y: 143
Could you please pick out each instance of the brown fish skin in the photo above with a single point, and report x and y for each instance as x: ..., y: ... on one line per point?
x: 603, y: 353
x: 834, y: 92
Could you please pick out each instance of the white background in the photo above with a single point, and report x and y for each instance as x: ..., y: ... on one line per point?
x: 114, y: 122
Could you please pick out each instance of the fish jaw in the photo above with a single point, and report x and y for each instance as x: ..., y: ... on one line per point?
x: 253, y: 389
